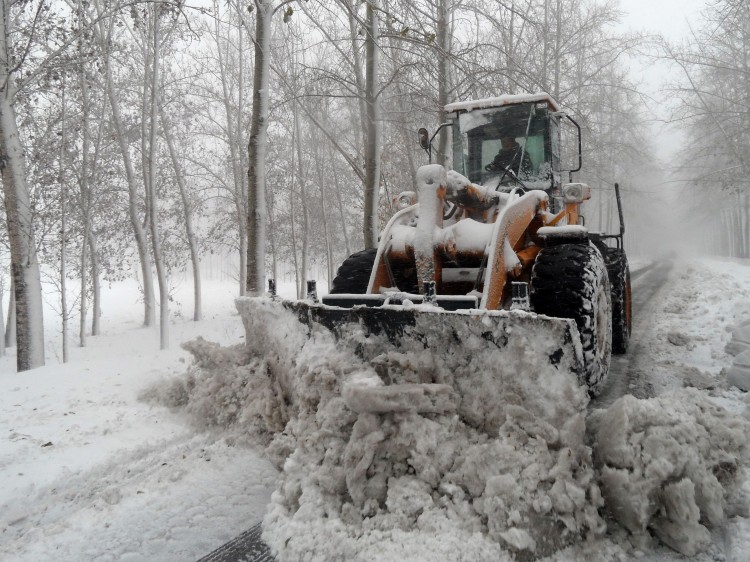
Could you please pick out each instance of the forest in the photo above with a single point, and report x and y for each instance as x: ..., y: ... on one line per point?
x: 268, y: 138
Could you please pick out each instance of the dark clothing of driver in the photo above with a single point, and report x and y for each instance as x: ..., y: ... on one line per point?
x: 512, y: 157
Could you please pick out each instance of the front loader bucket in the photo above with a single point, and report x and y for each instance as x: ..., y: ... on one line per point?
x: 424, y: 359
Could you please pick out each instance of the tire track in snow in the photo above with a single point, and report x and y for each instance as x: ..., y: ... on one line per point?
x: 628, y: 373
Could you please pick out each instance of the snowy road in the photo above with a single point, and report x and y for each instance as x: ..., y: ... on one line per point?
x: 628, y: 373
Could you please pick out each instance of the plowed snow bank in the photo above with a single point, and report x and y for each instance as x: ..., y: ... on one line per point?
x: 672, y: 465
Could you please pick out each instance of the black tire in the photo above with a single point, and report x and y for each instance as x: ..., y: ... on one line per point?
x: 622, y: 308
x: 353, y: 275
x: 571, y: 281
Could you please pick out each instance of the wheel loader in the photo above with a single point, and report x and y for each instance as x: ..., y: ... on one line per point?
x: 460, y: 348
x: 486, y: 251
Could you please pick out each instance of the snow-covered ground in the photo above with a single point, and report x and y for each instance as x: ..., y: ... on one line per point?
x: 91, y: 472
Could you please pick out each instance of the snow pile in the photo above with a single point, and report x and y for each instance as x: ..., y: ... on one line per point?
x: 225, y: 387
x: 479, y: 449
x: 694, y: 318
x: 740, y: 341
x: 672, y: 465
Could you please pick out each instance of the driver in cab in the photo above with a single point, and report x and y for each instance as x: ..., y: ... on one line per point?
x: 511, y: 157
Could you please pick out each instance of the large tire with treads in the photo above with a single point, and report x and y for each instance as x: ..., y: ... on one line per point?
x: 353, y: 275
x: 571, y: 281
x: 622, y: 308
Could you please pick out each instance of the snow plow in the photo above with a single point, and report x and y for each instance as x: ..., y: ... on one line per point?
x: 498, y: 233
x: 444, y: 381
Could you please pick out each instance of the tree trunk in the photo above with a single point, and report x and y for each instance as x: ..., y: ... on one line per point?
x: 84, y: 282
x: 63, y: 233
x: 2, y: 323
x: 301, y: 288
x: 357, y: 69
x: 24, y: 263
x: 443, y: 52
x: 272, y: 241
x: 545, y: 47
x: 87, y: 171
x: 746, y: 237
x: 96, y: 300
x: 292, y: 209
x: 234, y: 140
x: 322, y: 182
x: 10, y: 325
x: 188, y: 215
x: 256, y: 152
x: 558, y: 48
x: 342, y: 215
x: 151, y: 195
x: 372, y: 148
x: 149, y: 316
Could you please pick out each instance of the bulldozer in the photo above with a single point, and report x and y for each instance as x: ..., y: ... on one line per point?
x: 493, y: 247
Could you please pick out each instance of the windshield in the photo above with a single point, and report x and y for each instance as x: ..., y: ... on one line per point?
x: 488, y: 143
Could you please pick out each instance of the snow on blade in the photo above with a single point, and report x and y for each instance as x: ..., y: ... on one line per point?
x: 455, y: 430
x: 671, y: 465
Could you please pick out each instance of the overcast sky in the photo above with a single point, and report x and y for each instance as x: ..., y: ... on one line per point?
x: 673, y: 20
x: 668, y: 17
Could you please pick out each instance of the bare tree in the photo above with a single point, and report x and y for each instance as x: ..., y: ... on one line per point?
x: 714, y: 96
x: 105, y: 28
x: 256, y: 150
x: 24, y: 262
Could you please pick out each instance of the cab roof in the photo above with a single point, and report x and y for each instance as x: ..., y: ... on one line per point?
x: 502, y: 101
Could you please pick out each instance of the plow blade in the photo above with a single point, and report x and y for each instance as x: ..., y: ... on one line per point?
x: 414, y: 358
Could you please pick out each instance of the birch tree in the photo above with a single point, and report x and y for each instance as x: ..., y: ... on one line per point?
x: 24, y: 261
x: 105, y: 29
x: 256, y: 150
x: 223, y: 72
x: 150, y: 119
x: 373, y: 148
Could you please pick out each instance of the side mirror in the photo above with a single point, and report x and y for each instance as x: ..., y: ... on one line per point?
x: 424, y: 138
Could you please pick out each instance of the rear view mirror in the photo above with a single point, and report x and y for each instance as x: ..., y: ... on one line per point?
x: 424, y: 138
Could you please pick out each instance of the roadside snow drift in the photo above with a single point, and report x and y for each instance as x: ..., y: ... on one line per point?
x: 672, y: 465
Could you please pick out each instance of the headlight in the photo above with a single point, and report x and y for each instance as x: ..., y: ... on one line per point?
x: 576, y: 192
x: 405, y: 199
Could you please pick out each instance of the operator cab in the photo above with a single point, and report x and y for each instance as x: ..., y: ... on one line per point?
x: 508, y: 142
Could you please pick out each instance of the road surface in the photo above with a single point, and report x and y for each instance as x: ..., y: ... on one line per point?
x: 628, y: 374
